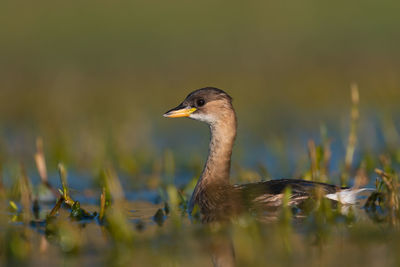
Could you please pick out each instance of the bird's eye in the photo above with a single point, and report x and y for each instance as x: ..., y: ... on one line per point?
x: 200, y: 102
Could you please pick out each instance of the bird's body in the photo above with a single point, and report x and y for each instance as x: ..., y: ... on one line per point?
x: 214, y: 194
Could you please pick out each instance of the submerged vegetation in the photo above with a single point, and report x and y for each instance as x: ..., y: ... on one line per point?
x: 43, y: 224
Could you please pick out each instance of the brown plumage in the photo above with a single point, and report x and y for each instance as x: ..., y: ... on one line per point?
x: 214, y: 195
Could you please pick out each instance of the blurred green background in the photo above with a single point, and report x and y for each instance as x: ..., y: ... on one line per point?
x: 94, y: 77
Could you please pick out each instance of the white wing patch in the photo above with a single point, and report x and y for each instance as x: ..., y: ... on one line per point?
x: 349, y: 196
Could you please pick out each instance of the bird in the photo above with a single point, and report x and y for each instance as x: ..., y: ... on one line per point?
x: 214, y: 195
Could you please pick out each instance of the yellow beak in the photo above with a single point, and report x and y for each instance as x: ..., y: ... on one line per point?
x: 179, y: 112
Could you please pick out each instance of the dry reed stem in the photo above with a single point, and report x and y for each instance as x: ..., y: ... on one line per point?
x: 382, y: 173
x: 56, y: 207
x: 40, y: 160
x: 41, y: 167
x: 102, y: 204
x: 352, y: 139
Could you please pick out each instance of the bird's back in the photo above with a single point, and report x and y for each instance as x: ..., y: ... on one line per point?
x: 270, y: 194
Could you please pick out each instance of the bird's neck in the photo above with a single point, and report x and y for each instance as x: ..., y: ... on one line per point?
x: 216, y: 171
x: 218, y: 164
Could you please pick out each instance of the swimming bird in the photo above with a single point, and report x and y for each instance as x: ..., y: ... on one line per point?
x: 214, y: 194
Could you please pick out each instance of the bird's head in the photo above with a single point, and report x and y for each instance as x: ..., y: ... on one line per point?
x: 209, y: 105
